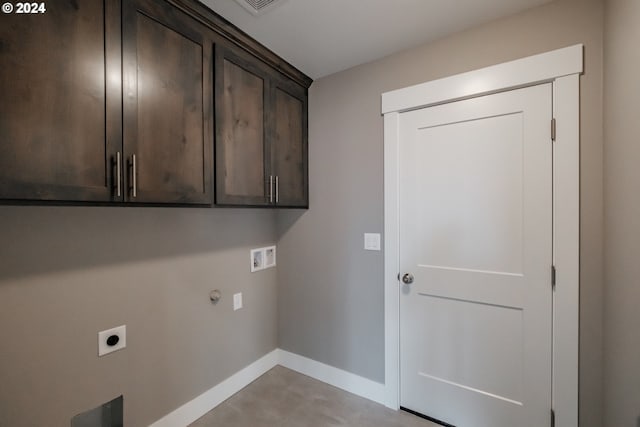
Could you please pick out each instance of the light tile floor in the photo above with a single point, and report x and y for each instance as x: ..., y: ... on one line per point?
x: 284, y: 398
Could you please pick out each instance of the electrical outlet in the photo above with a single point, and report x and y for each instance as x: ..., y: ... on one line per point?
x: 237, y: 301
x: 112, y: 340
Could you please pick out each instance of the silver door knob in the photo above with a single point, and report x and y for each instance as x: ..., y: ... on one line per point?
x: 407, y: 278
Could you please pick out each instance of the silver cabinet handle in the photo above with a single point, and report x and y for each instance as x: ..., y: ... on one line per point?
x: 271, y: 189
x: 277, y: 190
x: 134, y: 184
x: 118, y: 173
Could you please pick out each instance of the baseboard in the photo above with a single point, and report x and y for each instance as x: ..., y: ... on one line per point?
x: 191, y: 411
x: 347, y: 381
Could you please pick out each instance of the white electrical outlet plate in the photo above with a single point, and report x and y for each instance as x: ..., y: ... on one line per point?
x: 269, y: 257
x: 112, y: 340
x: 372, y: 241
x: 237, y: 301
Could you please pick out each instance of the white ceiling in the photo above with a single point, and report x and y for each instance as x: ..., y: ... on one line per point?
x: 321, y: 37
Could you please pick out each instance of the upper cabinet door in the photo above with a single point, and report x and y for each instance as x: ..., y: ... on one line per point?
x: 168, y: 127
x: 261, y: 134
x: 289, y: 145
x: 241, y: 120
x: 55, y: 112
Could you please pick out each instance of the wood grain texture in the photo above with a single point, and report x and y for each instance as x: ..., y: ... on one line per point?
x: 240, y: 139
x: 243, y: 131
x: 167, y: 108
x: 52, y: 114
x: 289, y: 145
x: 113, y: 85
x: 88, y: 80
x: 261, y: 134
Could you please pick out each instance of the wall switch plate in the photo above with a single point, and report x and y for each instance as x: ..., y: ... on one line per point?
x: 112, y: 340
x: 269, y: 257
x: 237, y: 301
x: 372, y: 241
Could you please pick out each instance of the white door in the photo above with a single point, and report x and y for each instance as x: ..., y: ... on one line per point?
x: 476, y: 235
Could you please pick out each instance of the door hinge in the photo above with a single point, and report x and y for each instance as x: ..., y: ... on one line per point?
x: 553, y: 129
x: 553, y: 277
x: 553, y: 418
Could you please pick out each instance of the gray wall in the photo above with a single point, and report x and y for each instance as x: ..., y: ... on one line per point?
x: 330, y: 289
x: 622, y: 213
x: 68, y: 272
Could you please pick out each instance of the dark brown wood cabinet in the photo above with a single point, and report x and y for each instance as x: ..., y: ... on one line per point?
x: 167, y: 105
x: 136, y: 101
x: 103, y: 104
x: 58, y: 121
x: 241, y: 130
x: 261, y: 134
x: 289, y: 146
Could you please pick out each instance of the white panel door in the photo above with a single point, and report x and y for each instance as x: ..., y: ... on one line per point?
x: 476, y: 235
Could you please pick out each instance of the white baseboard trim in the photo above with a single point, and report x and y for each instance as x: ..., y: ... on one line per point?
x: 347, y: 381
x: 191, y: 411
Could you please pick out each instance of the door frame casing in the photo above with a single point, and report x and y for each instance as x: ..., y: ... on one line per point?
x: 562, y: 68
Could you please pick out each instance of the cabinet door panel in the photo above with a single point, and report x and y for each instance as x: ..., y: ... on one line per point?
x: 289, y: 146
x: 167, y: 107
x: 240, y: 138
x: 53, y: 114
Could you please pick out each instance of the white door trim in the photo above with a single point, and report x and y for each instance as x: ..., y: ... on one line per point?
x: 562, y: 68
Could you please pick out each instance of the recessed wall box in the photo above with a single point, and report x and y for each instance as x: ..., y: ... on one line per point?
x: 269, y: 257
x: 257, y: 259
x: 262, y: 258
